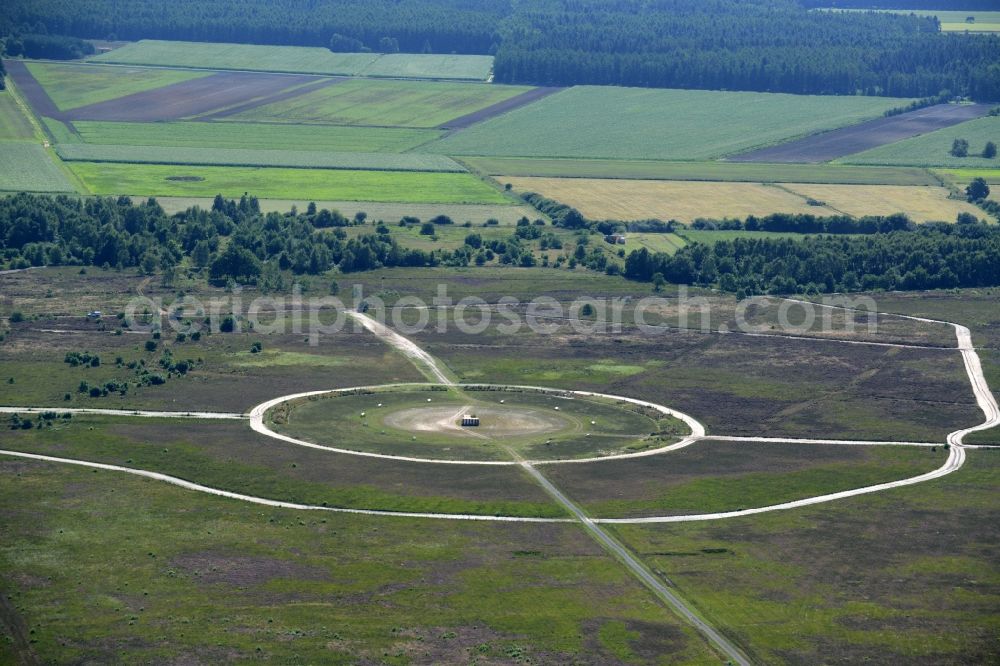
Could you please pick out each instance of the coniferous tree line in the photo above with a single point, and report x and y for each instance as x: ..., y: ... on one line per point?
x: 761, y: 45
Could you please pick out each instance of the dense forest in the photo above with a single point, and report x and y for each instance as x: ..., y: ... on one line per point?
x: 764, y: 45
x: 41, y: 230
x: 935, y: 256
x: 924, y: 5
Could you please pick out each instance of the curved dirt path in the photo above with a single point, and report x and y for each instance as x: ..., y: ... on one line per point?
x: 188, y: 485
x: 142, y: 413
x: 257, y: 424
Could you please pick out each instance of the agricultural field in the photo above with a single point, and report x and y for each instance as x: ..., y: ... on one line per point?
x: 72, y: 85
x: 934, y: 149
x: 300, y: 60
x: 922, y: 204
x: 14, y: 126
x: 28, y: 167
x: 251, y: 136
x: 870, y: 135
x: 688, y: 201
x: 306, y: 159
x: 633, y: 123
x: 739, y: 172
x: 413, y: 104
x: 666, y: 200
x: 274, y: 183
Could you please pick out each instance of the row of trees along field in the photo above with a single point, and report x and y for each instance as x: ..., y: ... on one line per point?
x: 44, y: 230
x: 763, y: 45
x: 934, y: 256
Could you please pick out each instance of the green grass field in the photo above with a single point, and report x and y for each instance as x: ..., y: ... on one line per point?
x: 319, y: 184
x: 934, y: 149
x: 633, y: 123
x: 965, y: 176
x: 252, y: 136
x: 708, y: 171
x: 27, y: 167
x: 304, y: 60
x: 307, y: 159
x: 418, y: 104
x: 666, y: 243
x: 13, y: 125
x: 72, y: 86
x: 533, y: 425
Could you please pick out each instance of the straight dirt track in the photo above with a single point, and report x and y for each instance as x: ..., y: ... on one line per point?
x: 192, y: 98
x: 865, y: 136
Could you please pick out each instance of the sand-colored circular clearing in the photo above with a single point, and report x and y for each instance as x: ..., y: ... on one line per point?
x: 493, y: 421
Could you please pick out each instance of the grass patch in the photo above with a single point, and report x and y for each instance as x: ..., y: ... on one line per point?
x: 934, y: 149
x: 317, y: 184
x: 383, y: 103
x: 305, y: 159
x: 250, y: 136
x: 665, y: 243
x: 745, y: 172
x: 623, y: 123
x: 73, y: 86
x: 296, y: 59
x: 28, y: 167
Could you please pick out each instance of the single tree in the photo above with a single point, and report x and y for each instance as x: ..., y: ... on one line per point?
x: 960, y: 148
x: 658, y: 282
x: 977, y: 190
x: 990, y: 151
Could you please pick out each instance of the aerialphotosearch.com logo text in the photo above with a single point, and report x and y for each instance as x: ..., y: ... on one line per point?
x: 319, y: 316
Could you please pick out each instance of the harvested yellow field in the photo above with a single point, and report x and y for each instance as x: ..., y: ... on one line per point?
x: 685, y: 201
x: 922, y: 204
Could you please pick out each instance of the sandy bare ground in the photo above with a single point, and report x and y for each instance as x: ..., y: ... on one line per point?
x: 495, y: 422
